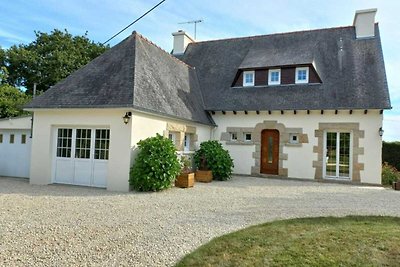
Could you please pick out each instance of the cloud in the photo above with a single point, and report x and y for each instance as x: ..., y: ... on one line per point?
x: 391, y: 126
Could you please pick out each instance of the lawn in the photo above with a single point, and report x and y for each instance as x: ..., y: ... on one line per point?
x: 324, y: 241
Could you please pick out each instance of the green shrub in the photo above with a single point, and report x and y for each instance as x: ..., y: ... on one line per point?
x: 212, y: 156
x: 156, y: 165
x: 391, y: 153
x: 389, y: 174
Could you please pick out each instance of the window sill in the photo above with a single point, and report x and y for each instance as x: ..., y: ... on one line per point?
x: 294, y: 145
x: 246, y: 143
x: 275, y: 85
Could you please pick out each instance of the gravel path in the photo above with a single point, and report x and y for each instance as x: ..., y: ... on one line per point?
x: 60, y: 225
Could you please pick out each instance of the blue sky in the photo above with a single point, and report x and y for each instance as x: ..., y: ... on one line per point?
x: 222, y: 19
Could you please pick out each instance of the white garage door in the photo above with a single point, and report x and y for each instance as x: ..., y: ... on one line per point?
x: 15, y: 153
x: 81, y: 156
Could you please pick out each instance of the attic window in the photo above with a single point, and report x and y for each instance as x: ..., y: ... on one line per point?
x: 248, y: 78
x: 274, y: 77
x: 302, y: 75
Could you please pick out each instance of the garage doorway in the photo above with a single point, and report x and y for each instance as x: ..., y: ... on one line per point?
x: 81, y: 156
x: 15, y: 153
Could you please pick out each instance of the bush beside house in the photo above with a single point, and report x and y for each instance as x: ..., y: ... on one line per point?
x: 215, y: 158
x: 389, y: 174
x: 391, y: 153
x: 156, y: 165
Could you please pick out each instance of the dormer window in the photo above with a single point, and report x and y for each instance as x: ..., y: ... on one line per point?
x: 302, y: 75
x: 248, y: 78
x: 274, y: 77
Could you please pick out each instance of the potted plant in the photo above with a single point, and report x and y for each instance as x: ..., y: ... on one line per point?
x: 186, y: 178
x: 213, y: 162
x: 203, y: 174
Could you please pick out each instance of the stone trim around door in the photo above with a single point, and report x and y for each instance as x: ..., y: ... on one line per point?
x: 180, y: 130
x: 283, y: 139
x: 357, y: 150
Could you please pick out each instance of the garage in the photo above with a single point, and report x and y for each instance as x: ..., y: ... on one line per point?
x: 15, y: 147
x: 81, y: 156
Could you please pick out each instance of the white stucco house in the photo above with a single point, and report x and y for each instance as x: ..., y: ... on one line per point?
x: 305, y: 104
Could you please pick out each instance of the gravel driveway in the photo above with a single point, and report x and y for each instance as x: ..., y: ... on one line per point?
x: 60, y: 225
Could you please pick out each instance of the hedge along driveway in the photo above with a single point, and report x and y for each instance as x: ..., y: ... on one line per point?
x: 66, y: 225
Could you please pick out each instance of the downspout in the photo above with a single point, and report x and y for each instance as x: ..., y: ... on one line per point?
x: 34, y: 94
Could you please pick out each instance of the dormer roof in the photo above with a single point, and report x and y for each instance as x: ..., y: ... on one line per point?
x: 352, y: 71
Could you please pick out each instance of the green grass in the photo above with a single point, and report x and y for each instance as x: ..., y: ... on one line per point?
x: 325, y: 241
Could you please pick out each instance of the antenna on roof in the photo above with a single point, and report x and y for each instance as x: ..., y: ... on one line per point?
x: 195, y: 25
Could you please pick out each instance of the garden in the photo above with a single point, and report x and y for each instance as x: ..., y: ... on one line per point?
x: 158, y: 166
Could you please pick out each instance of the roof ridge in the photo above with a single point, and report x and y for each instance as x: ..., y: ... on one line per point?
x: 270, y: 34
x: 135, y: 33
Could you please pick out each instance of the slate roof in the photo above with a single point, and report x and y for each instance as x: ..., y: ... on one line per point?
x: 133, y: 74
x: 138, y: 74
x: 352, y: 77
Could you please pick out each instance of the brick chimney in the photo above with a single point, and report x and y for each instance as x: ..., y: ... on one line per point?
x: 181, y: 41
x: 364, y: 21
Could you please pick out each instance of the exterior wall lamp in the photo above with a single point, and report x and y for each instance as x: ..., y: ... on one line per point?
x: 127, y: 117
x: 381, y: 131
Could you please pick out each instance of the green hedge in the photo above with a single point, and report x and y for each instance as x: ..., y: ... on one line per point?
x: 391, y: 154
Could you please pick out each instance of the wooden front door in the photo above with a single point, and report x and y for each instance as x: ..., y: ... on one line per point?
x: 269, y: 151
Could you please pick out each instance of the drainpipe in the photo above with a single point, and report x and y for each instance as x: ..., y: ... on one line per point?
x: 34, y: 94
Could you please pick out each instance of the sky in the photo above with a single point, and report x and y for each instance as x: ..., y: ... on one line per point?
x: 221, y: 19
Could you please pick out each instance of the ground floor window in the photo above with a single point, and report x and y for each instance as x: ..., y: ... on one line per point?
x: 338, y: 154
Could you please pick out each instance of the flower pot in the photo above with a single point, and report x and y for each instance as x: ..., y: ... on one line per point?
x: 185, y: 180
x: 204, y: 176
x: 396, y: 185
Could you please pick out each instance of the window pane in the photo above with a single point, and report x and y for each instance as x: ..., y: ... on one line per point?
x: 331, y: 153
x: 1, y: 138
x: 23, y: 139
x: 270, y: 148
x: 82, y: 147
x: 64, y: 141
x: 344, y: 156
x: 12, y: 139
x: 102, y: 144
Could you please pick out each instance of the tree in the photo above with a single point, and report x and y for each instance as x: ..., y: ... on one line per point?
x: 48, y: 59
x: 11, y: 101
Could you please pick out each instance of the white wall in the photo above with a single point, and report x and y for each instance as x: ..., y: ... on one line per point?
x: 23, y: 122
x: 42, y: 157
x: 147, y: 125
x: 299, y: 163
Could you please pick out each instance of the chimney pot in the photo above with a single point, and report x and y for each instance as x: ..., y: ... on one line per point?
x: 364, y: 22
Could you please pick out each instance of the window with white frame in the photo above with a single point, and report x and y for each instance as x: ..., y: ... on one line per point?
x: 172, y: 137
x: 102, y: 144
x: 302, y: 74
x: 186, y: 146
x: 83, y: 142
x: 1, y: 138
x: 248, y: 78
x: 64, y: 143
x: 274, y: 76
x: 234, y: 136
x: 247, y: 137
x: 293, y: 139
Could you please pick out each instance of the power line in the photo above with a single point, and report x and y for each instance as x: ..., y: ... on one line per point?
x: 154, y: 7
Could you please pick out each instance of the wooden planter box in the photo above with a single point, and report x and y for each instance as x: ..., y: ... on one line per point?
x: 185, y: 180
x: 396, y: 185
x: 204, y: 176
